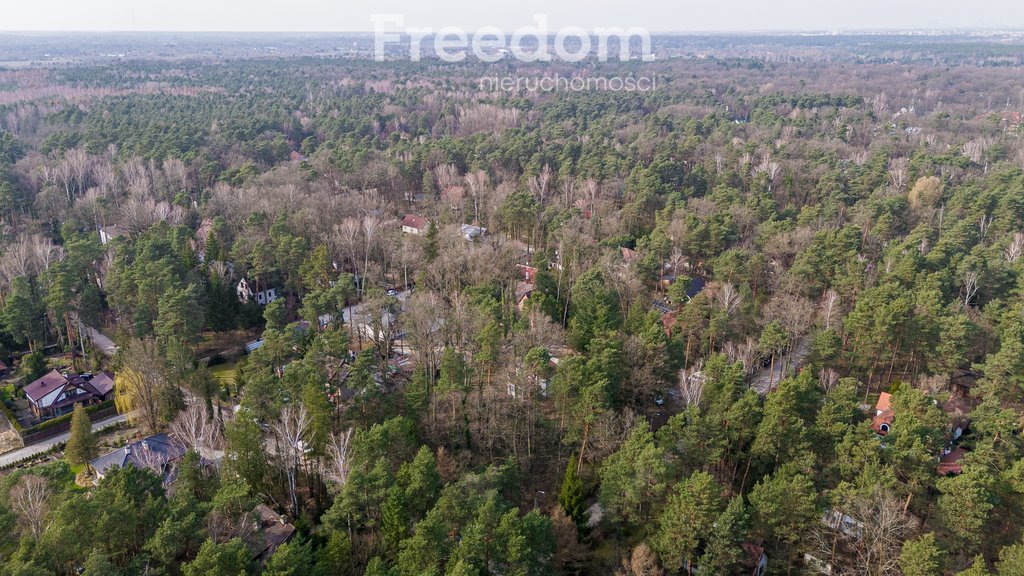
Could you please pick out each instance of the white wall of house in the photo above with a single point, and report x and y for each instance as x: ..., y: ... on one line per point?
x: 51, y: 398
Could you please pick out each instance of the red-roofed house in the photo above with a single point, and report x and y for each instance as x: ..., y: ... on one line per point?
x: 413, y: 224
x: 951, y: 462
x: 529, y: 273
x: 55, y: 394
x: 884, y: 415
x: 884, y: 399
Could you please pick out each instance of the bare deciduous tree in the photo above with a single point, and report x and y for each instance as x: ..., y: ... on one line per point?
x: 971, y: 280
x: 568, y: 188
x: 194, y: 429
x: 339, y: 450
x: 829, y: 379
x: 447, y: 175
x: 975, y: 149
x: 177, y: 173
x: 608, y: 432
x: 1014, y: 250
x: 540, y: 183
x: 745, y: 352
x: 423, y: 324
x: 591, y: 190
x: 829, y: 308
x: 150, y: 459
x: 142, y: 384
x: 477, y: 182
x: 983, y: 224
x: 729, y: 299
x: 290, y: 434
x: 898, y: 172
x: 371, y: 225
x: 30, y: 500
x: 691, y: 384
x: 641, y: 562
x: 865, y: 538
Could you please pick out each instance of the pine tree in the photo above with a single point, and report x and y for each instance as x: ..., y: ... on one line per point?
x: 394, y: 521
x: 431, y: 247
x: 81, y: 446
x: 571, y: 494
x: 688, y: 520
x: 921, y: 556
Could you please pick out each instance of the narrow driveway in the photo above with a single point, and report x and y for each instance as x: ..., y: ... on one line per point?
x: 101, y: 341
x: 791, y: 362
x: 45, y: 445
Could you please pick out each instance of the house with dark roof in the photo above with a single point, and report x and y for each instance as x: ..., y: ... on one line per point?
x: 416, y: 225
x: 159, y: 453
x: 271, y: 531
x: 523, y: 292
x: 110, y: 233
x: 472, y: 232
x: 3, y: 369
x: 56, y: 394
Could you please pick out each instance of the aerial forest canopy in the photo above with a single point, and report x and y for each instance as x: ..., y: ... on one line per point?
x: 771, y: 311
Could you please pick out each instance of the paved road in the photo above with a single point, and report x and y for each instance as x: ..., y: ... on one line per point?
x: 45, y: 445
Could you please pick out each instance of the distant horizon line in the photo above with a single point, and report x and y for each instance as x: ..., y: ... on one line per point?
x: 695, y: 32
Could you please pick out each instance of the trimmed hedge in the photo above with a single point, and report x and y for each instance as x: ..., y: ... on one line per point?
x: 65, y: 419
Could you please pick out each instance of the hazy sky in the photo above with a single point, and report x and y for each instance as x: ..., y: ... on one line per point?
x: 655, y: 15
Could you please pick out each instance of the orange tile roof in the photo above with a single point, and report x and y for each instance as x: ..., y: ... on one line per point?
x: 883, y: 402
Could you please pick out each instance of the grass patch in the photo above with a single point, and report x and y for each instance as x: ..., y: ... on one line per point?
x: 225, y: 372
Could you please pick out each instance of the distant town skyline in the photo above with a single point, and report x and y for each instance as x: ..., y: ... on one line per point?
x: 659, y: 16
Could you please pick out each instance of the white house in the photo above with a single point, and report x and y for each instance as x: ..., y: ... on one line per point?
x: 246, y: 294
x: 109, y: 233
x: 416, y: 225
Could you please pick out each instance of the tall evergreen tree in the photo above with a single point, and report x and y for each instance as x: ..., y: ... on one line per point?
x: 570, y: 495
x: 81, y: 446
